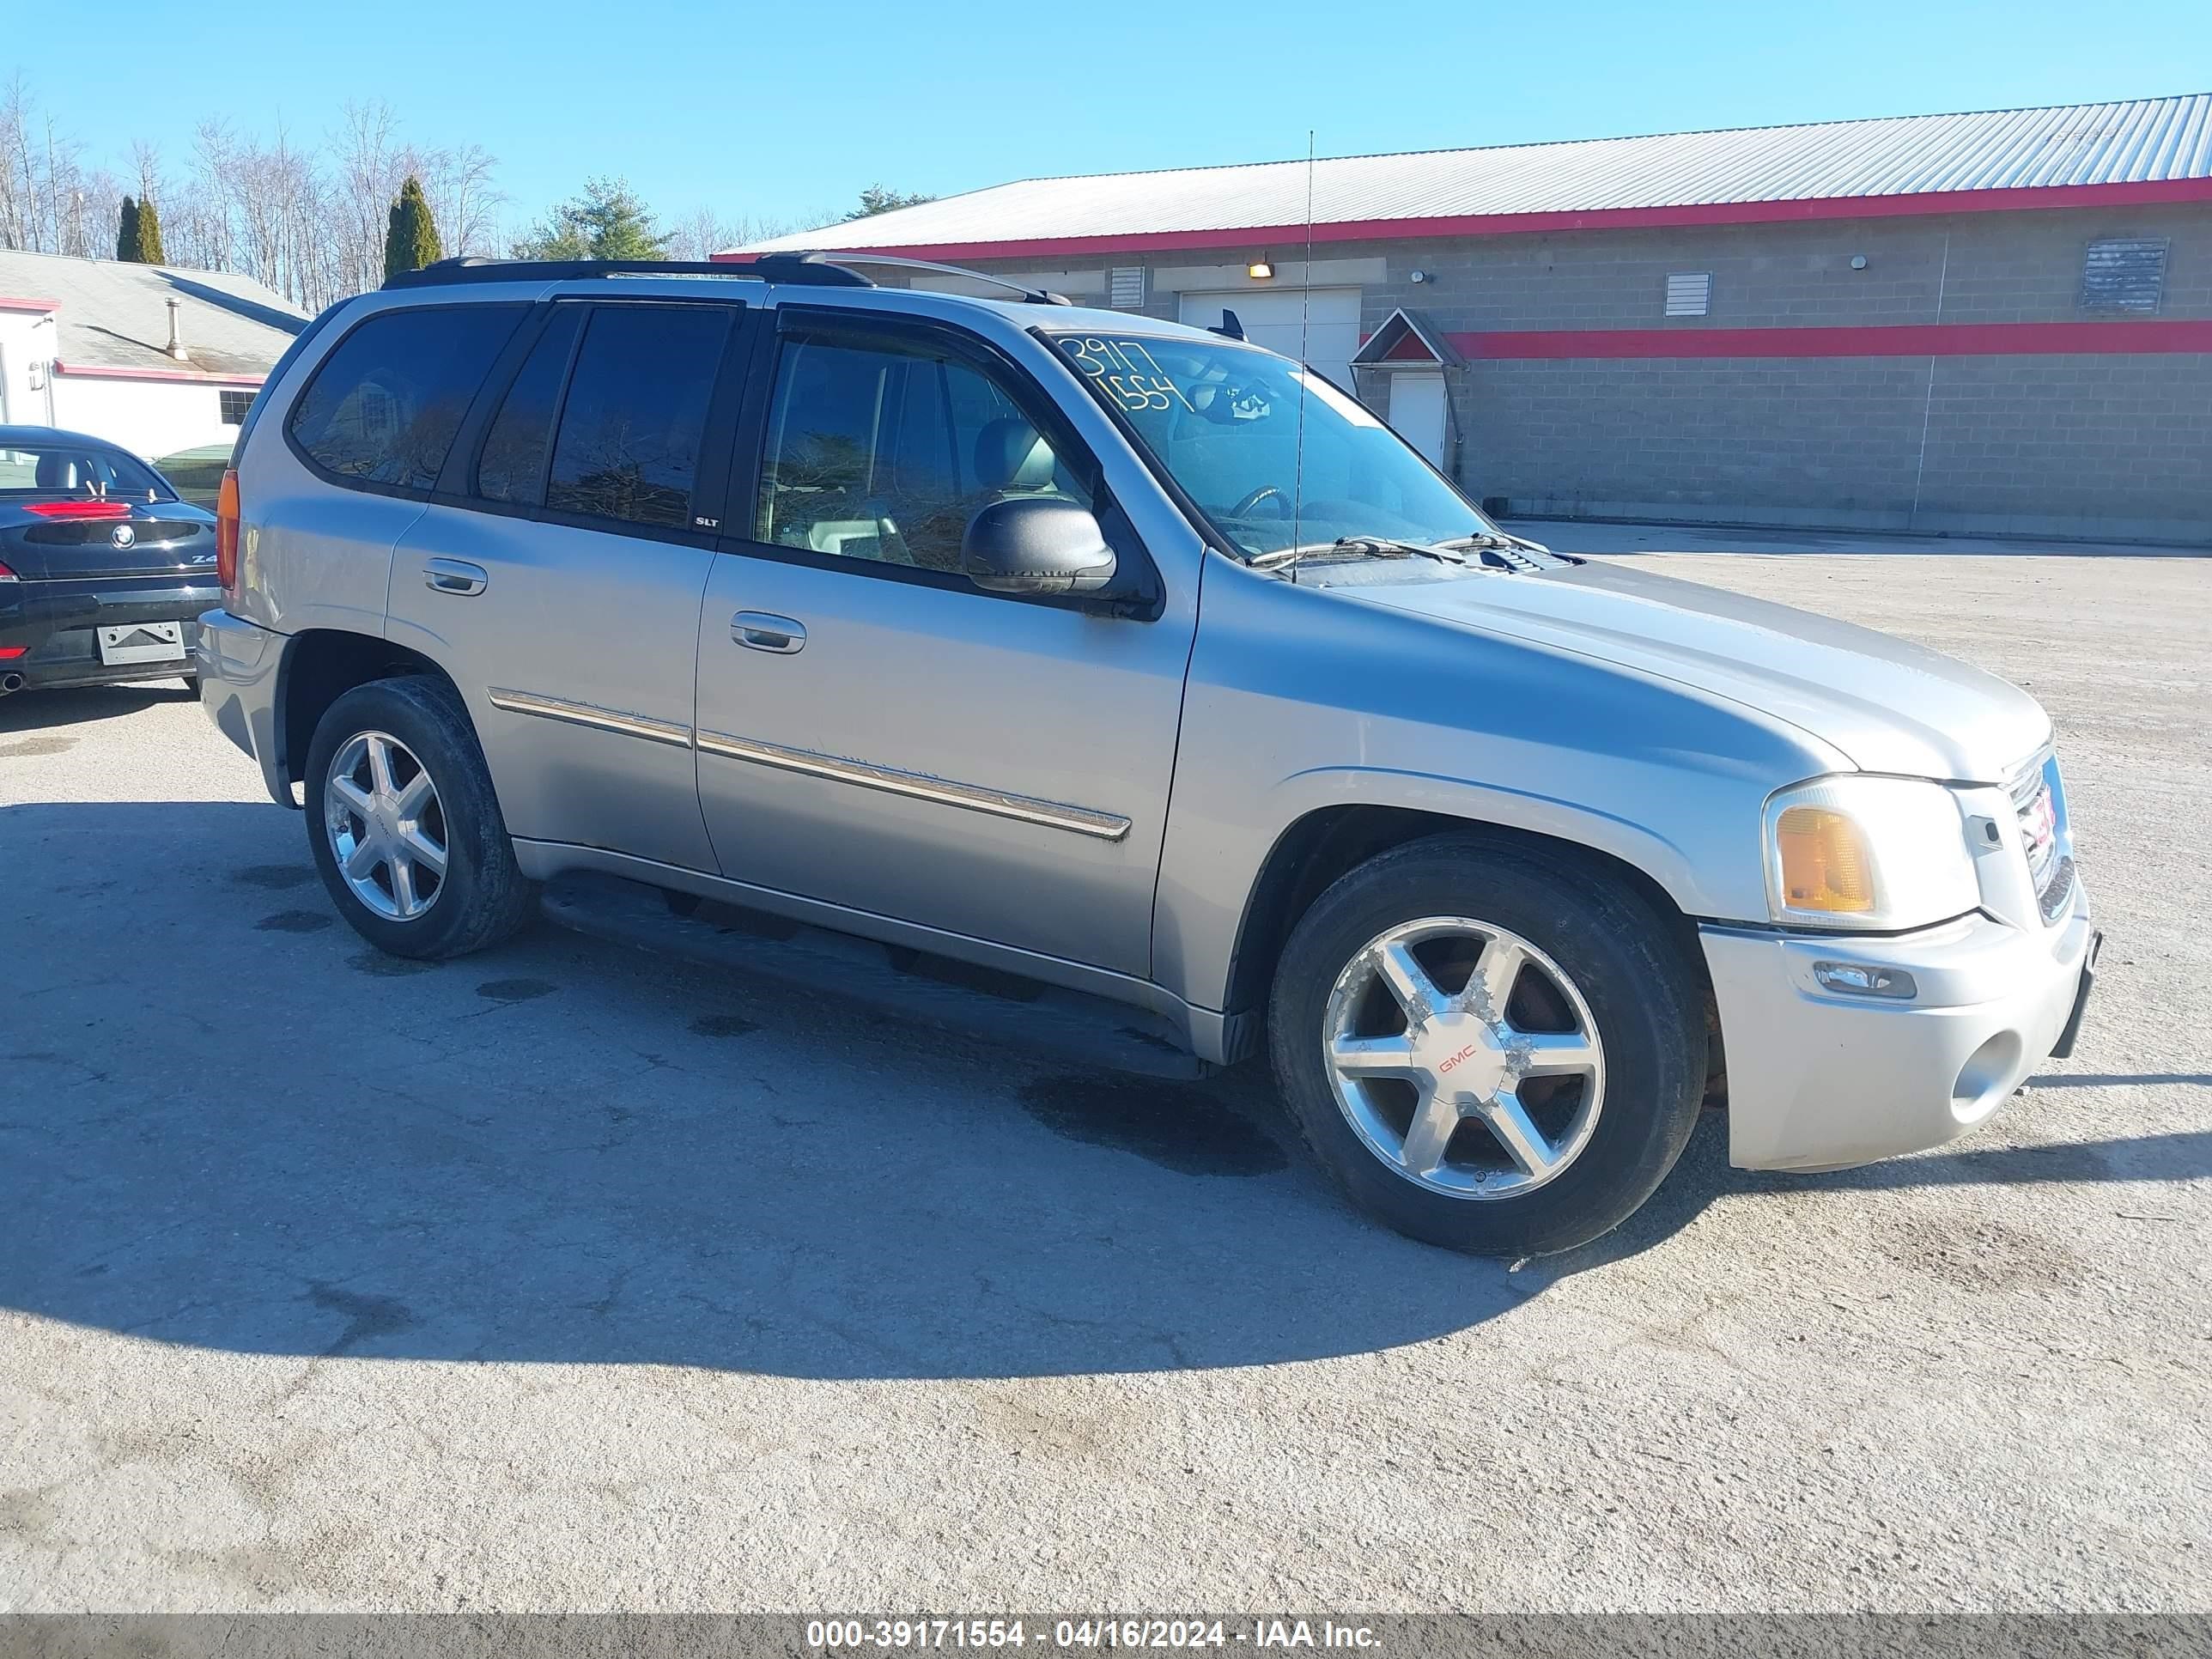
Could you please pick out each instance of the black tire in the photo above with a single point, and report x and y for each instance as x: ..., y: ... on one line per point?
x: 1623, y: 955
x: 482, y: 898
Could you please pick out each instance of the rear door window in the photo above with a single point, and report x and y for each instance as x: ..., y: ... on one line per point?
x: 511, y: 466
x: 384, y: 406
x: 634, y: 415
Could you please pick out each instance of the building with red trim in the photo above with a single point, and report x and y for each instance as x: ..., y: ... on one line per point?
x: 1990, y: 323
x: 154, y: 358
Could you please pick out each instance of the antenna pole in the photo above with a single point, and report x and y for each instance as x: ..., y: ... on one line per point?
x: 1305, y: 330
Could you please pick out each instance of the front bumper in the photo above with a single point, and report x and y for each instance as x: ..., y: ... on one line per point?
x: 238, y: 663
x: 1821, y: 1081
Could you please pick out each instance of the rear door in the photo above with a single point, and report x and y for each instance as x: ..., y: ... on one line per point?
x: 557, y: 572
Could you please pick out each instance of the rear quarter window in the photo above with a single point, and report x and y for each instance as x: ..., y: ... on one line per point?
x: 383, y: 408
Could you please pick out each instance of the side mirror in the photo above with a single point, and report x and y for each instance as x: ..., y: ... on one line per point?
x: 1035, y: 544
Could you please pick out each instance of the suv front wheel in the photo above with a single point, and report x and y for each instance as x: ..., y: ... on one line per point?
x: 404, y: 826
x: 1490, y: 1048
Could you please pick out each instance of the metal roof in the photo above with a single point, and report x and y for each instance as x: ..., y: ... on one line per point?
x: 2162, y: 144
x: 111, y: 314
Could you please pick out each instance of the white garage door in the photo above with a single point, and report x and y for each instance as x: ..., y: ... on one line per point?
x: 1271, y: 317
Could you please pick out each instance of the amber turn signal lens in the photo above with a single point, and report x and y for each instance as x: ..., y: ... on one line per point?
x: 226, y: 532
x: 1826, y: 863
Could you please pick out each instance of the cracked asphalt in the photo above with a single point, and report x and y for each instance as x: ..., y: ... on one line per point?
x: 571, y: 1278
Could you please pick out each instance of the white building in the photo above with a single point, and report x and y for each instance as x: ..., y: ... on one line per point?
x: 150, y: 357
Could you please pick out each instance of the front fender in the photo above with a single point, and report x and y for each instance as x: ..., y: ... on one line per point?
x: 1303, y: 699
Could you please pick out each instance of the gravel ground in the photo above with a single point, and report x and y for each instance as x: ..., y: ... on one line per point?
x: 569, y: 1278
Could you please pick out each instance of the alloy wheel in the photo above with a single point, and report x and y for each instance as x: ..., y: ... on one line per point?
x: 387, y: 826
x: 1464, y: 1058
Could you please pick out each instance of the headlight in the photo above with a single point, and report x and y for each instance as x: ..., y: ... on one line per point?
x: 1855, y: 851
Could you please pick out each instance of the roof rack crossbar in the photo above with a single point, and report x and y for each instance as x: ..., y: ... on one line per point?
x: 774, y: 268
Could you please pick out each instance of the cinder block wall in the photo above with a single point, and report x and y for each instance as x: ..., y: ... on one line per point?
x: 2105, y: 444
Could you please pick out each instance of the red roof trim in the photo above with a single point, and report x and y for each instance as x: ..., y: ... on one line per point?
x: 2018, y: 198
x: 27, y: 302
x: 195, y: 376
x: 2157, y: 338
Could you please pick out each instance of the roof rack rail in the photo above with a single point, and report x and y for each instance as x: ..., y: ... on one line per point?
x: 783, y: 265
x: 771, y: 267
x: 822, y: 270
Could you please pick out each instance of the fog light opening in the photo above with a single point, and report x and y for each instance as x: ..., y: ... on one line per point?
x: 1861, y: 979
x: 1986, y: 1078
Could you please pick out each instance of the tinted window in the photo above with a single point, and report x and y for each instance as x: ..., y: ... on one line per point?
x: 384, y: 407
x: 513, y: 464
x: 636, y: 409
x: 883, y: 450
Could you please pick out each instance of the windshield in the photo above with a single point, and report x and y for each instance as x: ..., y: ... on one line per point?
x: 1223, y: 420
x: 68, y: 469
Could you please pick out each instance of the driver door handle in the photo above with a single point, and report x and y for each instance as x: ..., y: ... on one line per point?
x: 454, y: 576
x: 764, y: 630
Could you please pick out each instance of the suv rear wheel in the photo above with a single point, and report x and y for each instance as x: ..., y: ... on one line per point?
x: 1489, y: 1048
x: 404, y: 826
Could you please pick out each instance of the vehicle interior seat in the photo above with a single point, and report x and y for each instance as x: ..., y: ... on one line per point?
x: 59, y: 470
x: 1012, y: 459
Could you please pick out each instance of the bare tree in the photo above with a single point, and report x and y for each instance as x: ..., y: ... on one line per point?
x: 463, y: 200
x: 43, y: 187
x: 307, y: 220
x: 705, y: 233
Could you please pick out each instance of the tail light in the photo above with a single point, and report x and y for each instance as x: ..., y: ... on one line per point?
x: 78, y: 510
x: 8, y: 575
x: 226, y: 532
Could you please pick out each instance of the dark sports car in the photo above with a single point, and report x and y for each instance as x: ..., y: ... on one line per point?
x: 104, y: 571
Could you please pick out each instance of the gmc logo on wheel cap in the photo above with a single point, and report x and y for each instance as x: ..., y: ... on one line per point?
x: 1463, y: 1054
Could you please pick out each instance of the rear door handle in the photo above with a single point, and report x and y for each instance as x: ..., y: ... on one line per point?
x: 454, y: 576
x: 764, y: 630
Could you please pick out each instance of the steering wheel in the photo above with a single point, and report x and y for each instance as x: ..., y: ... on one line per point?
x: 1264, y: 492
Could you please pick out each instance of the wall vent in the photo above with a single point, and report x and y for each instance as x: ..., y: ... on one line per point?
x: 1689, y: 293
x: 1126, y: 287
x: 2125, y: 274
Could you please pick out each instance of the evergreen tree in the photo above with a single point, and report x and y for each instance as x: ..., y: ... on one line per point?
x: 607, y: 221
x: 149, y: 224
x: 126, y: 234
x: 410, y: 238
x: 878, y: 198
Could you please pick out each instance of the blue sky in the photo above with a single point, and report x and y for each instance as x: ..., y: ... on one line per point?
x: 782, y: 110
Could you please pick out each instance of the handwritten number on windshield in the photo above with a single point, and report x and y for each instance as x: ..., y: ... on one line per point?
x: 1127, y: 371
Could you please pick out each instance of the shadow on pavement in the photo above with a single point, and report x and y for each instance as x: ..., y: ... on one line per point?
x: 283, y: 1143
x: 40, y: 711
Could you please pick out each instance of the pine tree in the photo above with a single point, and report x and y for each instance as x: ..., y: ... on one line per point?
x: 126, y: 234
x: 411, y: 237
x: 607, y: 221
x: 148, y: 250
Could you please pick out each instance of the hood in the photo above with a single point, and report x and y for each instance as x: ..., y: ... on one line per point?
x: 1889, y: 705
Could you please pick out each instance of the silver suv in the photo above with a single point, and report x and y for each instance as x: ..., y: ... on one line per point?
x: 1131, y: 660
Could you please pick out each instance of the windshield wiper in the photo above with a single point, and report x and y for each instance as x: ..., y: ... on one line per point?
x: 1381, y: 547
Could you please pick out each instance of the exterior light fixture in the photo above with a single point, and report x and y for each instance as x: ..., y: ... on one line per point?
x: 1260, y: 271
x: 1860, y: 980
